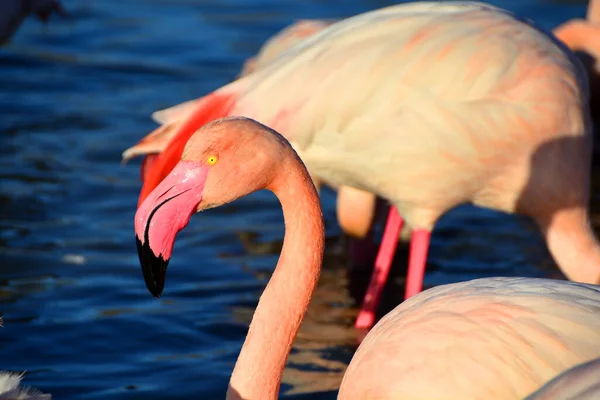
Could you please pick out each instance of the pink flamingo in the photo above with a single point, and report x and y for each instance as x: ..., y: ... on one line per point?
x: 581, y: 382
x: 13, y: 12
x: 356, y: 208
x: 487, y: 338
x: 435, y: 120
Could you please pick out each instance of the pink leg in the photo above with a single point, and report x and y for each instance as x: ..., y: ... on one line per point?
x: 383, y: 263
x: 419, y: 245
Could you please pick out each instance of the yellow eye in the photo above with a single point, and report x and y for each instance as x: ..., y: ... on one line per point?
x: 212, y: 160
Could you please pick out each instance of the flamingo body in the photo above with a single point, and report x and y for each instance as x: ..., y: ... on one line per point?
x: 431, y: 53
x: 490, y: 338
x: 456, y: 103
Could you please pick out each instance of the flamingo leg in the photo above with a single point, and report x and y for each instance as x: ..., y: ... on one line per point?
x: 383, y: 263
x: 419, y: 246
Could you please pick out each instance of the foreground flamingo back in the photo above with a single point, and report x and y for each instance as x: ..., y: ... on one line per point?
x: 491, y: 338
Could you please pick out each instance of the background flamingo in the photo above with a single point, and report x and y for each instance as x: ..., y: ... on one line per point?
x: 13, y: 12
x: 355, y: 208
x: 581, y: 382
x: 497, y: 134
x: 513, y: 334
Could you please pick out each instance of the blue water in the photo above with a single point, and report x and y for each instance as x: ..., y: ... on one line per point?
x: 77, y: 315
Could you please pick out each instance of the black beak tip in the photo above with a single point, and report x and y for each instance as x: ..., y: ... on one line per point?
x: 154, y: 268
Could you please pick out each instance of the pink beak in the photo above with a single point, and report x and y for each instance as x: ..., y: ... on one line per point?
x: 166, y: 211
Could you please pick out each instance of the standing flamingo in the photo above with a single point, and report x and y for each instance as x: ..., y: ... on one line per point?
x: 486, y: 338
x: 13, y: 12
x: 581, y: 382
x: 408, y: 103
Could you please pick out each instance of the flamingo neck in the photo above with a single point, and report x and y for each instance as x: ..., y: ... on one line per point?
x: 284, y: 302
x: 573, y: 244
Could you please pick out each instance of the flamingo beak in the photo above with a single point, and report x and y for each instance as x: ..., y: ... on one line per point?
x: 166, y: 211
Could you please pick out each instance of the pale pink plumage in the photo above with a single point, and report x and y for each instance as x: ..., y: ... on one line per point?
x: 482, y: 339
x: 491, y: 338
x: 449, y: 108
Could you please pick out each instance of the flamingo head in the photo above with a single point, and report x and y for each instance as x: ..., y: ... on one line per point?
x: 222, y: 161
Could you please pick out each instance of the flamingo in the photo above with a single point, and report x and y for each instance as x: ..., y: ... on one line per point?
x: 407, y: 103
x: 581, y: 382
x: 9, y: 389
x: 13, y: 12
x: 486, y: 338
x: 355, y: 208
